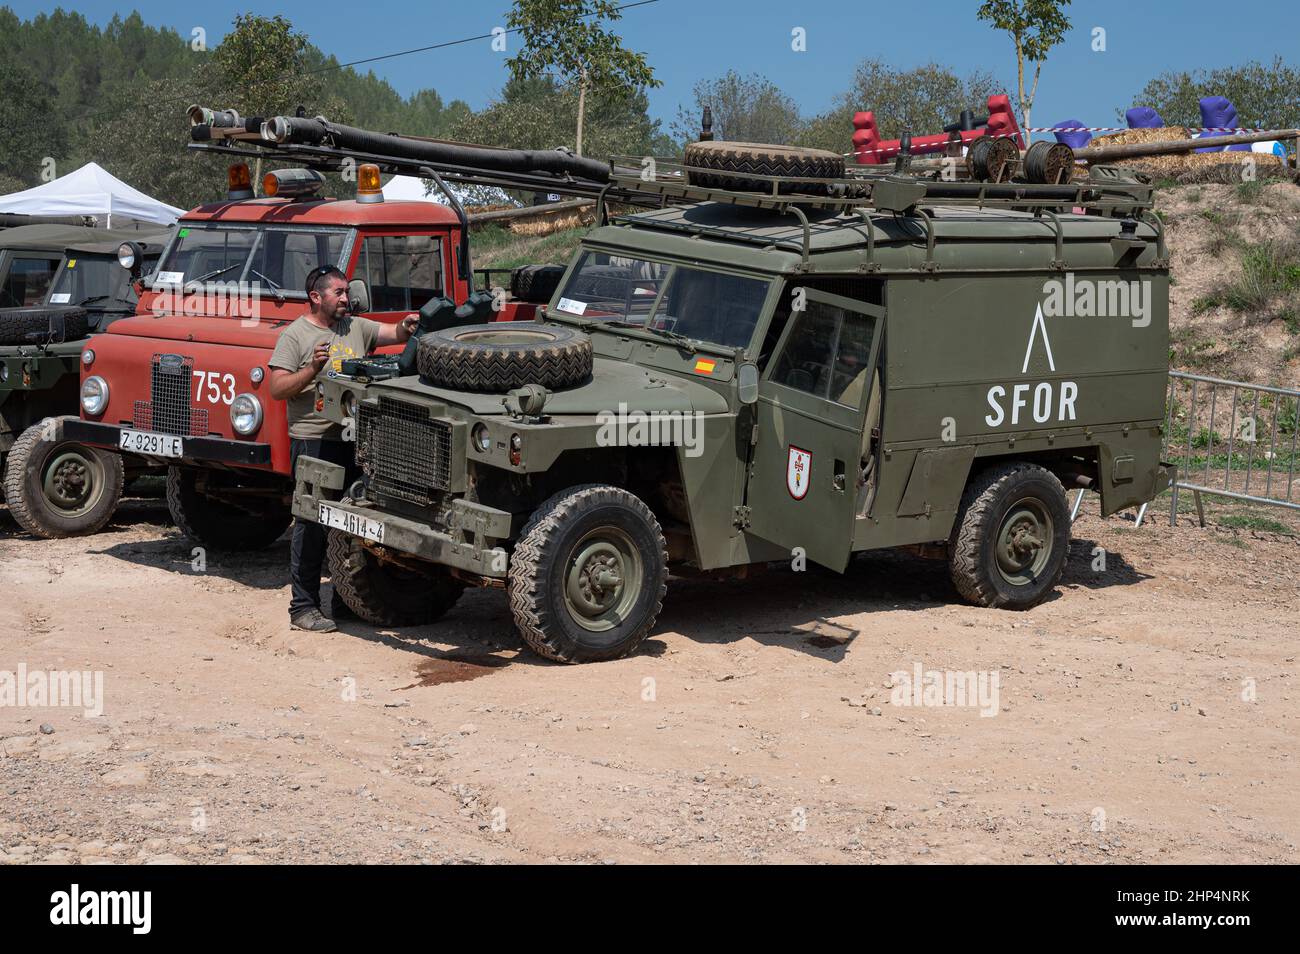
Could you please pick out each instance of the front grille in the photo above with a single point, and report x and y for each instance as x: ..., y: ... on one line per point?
x: 169, y: 410
x: 402, y: 452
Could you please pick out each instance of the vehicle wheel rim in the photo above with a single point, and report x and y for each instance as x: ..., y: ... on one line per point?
x: 1024, y: 542
x: 72, y: 482
x: 602, y: 580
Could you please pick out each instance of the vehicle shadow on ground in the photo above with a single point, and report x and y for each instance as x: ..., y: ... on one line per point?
x: 261, y: 569
x: 797, y: 610
x: 476, y: 637
x: 1091, y: 567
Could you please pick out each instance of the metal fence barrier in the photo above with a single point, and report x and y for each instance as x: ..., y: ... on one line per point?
x: 1230, y: 439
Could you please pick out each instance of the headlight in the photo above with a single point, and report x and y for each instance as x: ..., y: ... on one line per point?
x: 256, y: 375
x: 88, y: 357
x: 245, y: 414
x: 127, y: 255
x: 94, y: 395
x: 349, y: 404
x: 482, y: 439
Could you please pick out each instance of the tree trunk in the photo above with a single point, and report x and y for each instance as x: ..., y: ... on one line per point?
x: 582, y: 105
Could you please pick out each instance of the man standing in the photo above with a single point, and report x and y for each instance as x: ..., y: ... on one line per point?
x: 316, y: 342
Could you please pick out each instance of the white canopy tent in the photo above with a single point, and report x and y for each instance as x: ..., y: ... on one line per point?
x: 90, y: 190
x: 412, y: 188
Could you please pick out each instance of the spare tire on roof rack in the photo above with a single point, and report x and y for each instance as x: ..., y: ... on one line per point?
x: 723, y: 165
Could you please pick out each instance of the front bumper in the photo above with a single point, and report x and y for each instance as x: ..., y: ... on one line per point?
x: 469, y: 543
x: 216, y: 450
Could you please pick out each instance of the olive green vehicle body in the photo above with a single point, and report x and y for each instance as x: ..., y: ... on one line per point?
x: 955, y: 302
x: 41, y: 380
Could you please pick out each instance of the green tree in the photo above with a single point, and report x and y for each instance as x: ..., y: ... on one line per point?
x: 744, y: 109
x: 566, y: 39
x: 539, y: 113
x: 1035, y: 26
x: 1266, y: 95
x: 261, y: 64
x: 30, y: 134
x: 920, y: 100
x: 149, y: 151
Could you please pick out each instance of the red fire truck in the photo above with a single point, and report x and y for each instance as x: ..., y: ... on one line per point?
x: 183, y: 381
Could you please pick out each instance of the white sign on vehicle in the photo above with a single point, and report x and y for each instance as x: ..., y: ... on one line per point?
x: 170, y: 278
x: 60, y: 298
x: 573, y: 307
x: 352, y: 523
x: 150, y: 444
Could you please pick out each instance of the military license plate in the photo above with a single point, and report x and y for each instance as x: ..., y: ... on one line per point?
x: 147, y: 442
x: 352, y: 523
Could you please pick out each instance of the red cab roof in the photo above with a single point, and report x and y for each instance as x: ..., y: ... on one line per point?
x: 325, y: 212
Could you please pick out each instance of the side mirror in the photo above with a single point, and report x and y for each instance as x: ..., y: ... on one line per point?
x: 747, y: 383
x: 358, y: 296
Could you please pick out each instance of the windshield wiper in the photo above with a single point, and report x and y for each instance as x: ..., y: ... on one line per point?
x: 687, y: 343
x: 212, y: 274
x: 275, y: 288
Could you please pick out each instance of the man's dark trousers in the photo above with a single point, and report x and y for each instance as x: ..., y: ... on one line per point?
x: 308, y: 550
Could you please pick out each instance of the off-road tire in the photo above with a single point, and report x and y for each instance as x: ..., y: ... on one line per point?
x: 219, y: 525
x: 33, y: 461
x: 713, y: 165
x: 499, y: 356
x: 18, y: 324
x: 539, y: 574
x: 535, y: 284
x: 383, y: 594
x: 991, y: 497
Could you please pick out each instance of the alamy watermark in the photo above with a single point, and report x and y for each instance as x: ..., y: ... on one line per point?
x: 626, y: 428
x: 234, y: 299
x: 1097, y: 298
x: 946, y: 687
x: 52, y: 688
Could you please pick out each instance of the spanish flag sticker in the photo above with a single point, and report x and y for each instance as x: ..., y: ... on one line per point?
x: 704, y: 366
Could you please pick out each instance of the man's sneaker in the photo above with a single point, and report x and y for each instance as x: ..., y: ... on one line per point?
x: 313, y: 621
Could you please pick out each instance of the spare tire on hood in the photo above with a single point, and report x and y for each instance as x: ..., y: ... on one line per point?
x: 714, y: 165
x: 502, y: 355
x: 32, y: 324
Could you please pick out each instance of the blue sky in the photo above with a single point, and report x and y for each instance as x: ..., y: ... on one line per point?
x: 690, y: 40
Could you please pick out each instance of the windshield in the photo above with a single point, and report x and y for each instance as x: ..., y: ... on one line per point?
x: 266, y: 258
x: 697, y: 304
x: 93, y: 279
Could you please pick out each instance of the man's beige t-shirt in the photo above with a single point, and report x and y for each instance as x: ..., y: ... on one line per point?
x: 351, y: 337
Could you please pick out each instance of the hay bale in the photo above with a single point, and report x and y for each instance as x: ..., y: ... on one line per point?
x: 1158, y: 134
x: 1206, y: 167
x: 545, y: 225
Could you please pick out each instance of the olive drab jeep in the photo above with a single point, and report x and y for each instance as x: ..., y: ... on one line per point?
x: 60, y: 286
x: 792, y: 363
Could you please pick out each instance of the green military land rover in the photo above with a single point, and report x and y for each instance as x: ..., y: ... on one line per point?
x: 783, y: 365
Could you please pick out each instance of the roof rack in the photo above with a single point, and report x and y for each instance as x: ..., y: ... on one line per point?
x: 658, y: 182
x: 885, y: 192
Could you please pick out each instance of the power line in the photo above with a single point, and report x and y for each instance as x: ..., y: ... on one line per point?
x: 339, y: 66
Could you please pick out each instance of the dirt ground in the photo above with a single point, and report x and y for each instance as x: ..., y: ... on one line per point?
x: 755, y: 725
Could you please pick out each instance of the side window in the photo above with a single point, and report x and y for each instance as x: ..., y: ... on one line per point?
x: 28, y: 282
x: 402, y: 271
x: 826, y: 354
